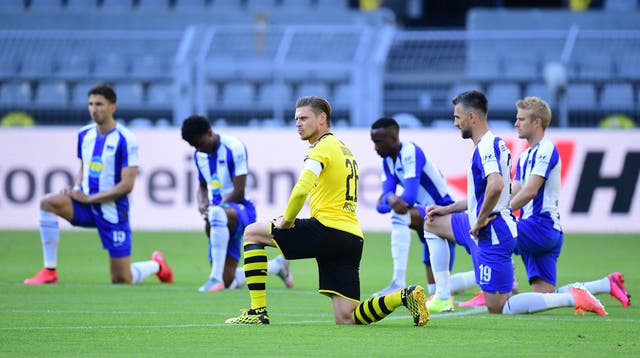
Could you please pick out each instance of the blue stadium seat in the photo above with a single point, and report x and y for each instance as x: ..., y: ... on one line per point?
x: 617, y: 96
x: 160, y: 94
x: 313, y: 89
x: 238, y: 94
x: 191, y: 5
x: 503, y: 96
x: 12, y: 5
x: 343, y: 95
x: 485, y: 67
x: 628, y: 65
x: 15, y: 93
x: 52, y: 93
x: 460, y: 87
x: 593, y: 66
x: 271, y: 92
x: 581, y: 96
x: 149, y: 67
x: 130, y: 94
x: 36, y: 67
x: 295, y: 5
x: 541, y: 90
x: 109, y: 66
x: 260, y: 5
x: 117, y: 5
x: 153, y: 5
x: 226, y: 4
x: 521, y: 67
x: 45, y: 5
x: 79, y: 93
x: 74, y: 66
x: 81, y: 5
x: 8, y: 66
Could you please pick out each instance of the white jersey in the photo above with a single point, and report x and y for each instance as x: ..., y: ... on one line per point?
x: 218, y: 168
x: 103, y: 158
x: 542, y: 160
x: 490, y: 155
x: 429, y: 186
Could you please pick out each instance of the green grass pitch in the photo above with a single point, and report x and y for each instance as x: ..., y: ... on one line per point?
x: 84, y: 315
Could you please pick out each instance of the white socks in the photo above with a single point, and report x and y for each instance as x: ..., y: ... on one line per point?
x: 594, y: 287
x: 462, y: 281
x: 532, y: 302
x: 218, y: 241
x: 143, y: 269
x: 400, y: 242
x: 50, y: 237
x: 439, y: 256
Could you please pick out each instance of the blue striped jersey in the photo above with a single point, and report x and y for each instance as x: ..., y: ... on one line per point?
x: 103, y: 158
x: 542, y: 160
x: 217, y: 169
x: 422, y: 181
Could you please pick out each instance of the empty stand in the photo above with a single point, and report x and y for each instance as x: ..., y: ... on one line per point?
x: 503, y: 96
x: 238, y: 94
x: 160, y: 94
x: 313, y: 89
x: 130, y: 94
x: 539, y: 89
x: 582, y: 96
x: 617, y: 96
x: 52, y: 94
x: 15, y: 94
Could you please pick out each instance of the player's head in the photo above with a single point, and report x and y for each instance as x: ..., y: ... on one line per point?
x: 535, y: 108
x: 313, y: 117
x: 105, y: 91
x: 196, y: 130
x: 385, y: 136
x: 470, y: 108
x: 102, y: 103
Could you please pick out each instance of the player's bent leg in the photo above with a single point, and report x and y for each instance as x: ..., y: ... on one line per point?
x: 343, y: 309
x: 495, y: 301
x: 120, y: 269
x: 58, y: 204
x: 541, y: 286
x: 229, y: 272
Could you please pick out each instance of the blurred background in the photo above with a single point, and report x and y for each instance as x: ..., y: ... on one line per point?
x: 244, y: 62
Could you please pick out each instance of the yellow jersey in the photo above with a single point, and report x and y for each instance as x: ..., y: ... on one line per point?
x: 334, y: 195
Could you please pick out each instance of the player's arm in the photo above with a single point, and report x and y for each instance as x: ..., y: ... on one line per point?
x: 77, y: 182
x: 438, y: 210
x: 525, y: 194
x: 124, y: 187
x: 203, y: 199
x: 311, y: 171
x: 388, y: 189
x: 239, y: 184
x: 492, y: 192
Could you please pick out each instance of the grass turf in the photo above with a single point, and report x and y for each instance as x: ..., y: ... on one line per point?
x: 84, y: 315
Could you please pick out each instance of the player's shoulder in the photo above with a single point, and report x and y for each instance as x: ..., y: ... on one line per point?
x: 86, y: 128
x: 231, y: 142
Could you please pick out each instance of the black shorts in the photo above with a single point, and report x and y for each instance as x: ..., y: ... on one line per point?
x: 337, y: 253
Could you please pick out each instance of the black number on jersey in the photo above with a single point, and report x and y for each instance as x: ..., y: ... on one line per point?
x: 352, y: 180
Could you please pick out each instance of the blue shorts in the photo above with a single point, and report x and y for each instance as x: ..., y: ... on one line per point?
x: 539, y: 244
x: 116, y: 238
x: 246, y: 214
x: 491, y: 262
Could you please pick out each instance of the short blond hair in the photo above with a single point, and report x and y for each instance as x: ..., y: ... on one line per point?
x: 538, y: 107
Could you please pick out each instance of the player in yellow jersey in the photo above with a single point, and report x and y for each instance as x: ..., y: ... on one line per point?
x: 332, y: 235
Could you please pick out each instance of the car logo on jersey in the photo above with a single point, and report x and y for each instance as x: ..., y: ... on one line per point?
x: 95, y: 166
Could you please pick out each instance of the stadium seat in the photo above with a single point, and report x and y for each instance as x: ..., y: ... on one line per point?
x: 460, y: 87
x: 581, y: 96
x: 191, y: 5
x: 503, y: 96
x: 617, y: 96
x: 79, y: 93
x: 313, y: 89
x: 117, y: 5
x: 238, y: 94
x: 593, y: 66
x: 226, y: 4
x: 331, y: 4
x: 271, y: 92
x: 130, y: 94
x: 74, y: 66
x: 153, y: 5
x: 52, y: 93
x: 541, y: 90
x: 149, y: 67
x: 297, y: 5
x: 8, y: 67
x: 260, y: 5
x: 45, y: 5
x: 81, y: 5
x: 628, y: 65
x: 15, y: 93
x: 522, y: 67
x: 160, y: 94
x: 110, y: 66
x: 12, y: 5
x: 343, y: 95
x: 36, y: 67
x: 485, y: 67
